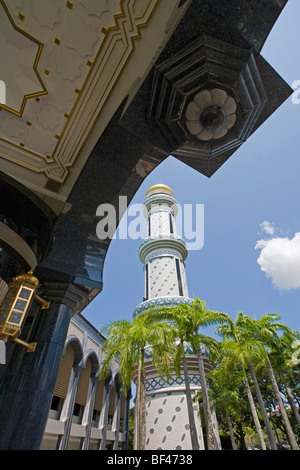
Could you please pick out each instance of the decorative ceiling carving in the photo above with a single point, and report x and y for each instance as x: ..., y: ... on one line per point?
x: 20, y: 53
x: 77, y: 53
x: 205, y: 81
x: 211, y: 114
x: 96, y: 60
x: 82, y: 62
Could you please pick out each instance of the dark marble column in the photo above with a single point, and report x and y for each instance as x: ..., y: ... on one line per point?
x: 25, y: 406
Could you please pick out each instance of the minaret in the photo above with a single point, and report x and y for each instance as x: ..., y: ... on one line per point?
x: 163, y: 254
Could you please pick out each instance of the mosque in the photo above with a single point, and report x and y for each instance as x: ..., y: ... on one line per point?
x: 163, y: 254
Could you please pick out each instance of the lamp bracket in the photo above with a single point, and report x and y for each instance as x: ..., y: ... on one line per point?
x: 29, y: 346
x: 45, y: 304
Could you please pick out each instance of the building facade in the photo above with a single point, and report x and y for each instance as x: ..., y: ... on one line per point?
x: 163, y: 254
x: 86, y: 413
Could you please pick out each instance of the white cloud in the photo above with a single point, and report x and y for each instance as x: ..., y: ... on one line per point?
x: 280, y: 260
x: 267, y: 227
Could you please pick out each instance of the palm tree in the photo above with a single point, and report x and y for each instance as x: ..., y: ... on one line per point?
x: 243, y: 352
x: 270, y: 433
x: 285, y: 364
x: 129, y: 341
x: 266, y: 330
x: 242, y: 348
x: 177, y: 321
x: 225, y: 397
x: 244, y: 328
x: 180, y: 357
x: 244, y: 322
x: 176, y: 318
x: 200, y: 317
x: 187, y: 321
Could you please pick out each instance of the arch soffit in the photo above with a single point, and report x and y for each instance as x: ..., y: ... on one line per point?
x: 92, y: 357
x: 77, y: 347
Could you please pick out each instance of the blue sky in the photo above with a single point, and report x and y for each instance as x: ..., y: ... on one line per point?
x: 259, y: 183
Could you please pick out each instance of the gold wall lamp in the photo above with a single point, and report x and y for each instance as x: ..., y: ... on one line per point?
x: 16, y: 304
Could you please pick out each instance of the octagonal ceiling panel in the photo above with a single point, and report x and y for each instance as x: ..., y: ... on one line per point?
x: 207, y: 74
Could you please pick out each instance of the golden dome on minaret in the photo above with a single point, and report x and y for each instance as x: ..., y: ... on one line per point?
x: 158, y: 189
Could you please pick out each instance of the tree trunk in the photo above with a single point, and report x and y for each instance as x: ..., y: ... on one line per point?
x: 138, y: 408
x: 193, y: 431
x: 263, y: 409
x: 141, y: 424
x: 242, y: 436
x: 234, y: 446
x: 206, y: 406
x: 290, y: 398
x: 143, y: 410
x: 254, y: 414
x: 288, y: 427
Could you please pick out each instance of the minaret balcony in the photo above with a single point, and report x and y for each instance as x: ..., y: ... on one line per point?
x: 166, y: 301
x: 162, y: 242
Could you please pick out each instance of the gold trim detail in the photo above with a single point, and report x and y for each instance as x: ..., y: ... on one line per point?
x: 160, y: 187
x: 114, y: 53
